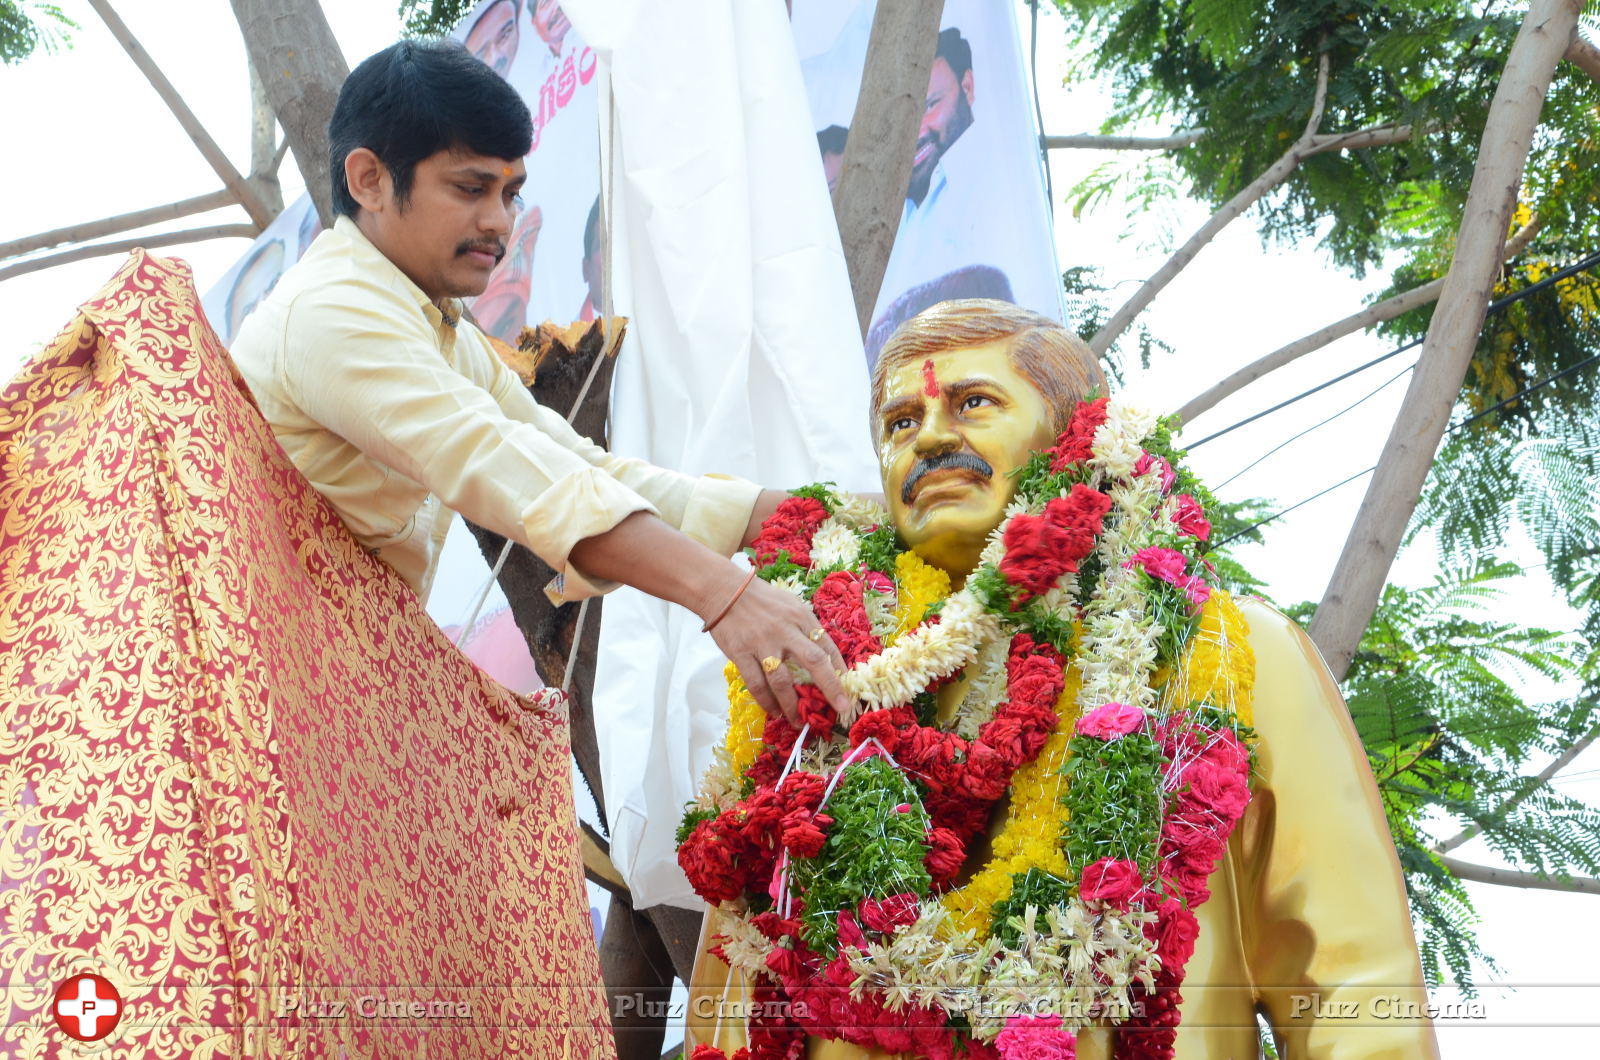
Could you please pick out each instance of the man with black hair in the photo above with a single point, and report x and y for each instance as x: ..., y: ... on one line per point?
x: 947, y: 111
x: 399, y: 412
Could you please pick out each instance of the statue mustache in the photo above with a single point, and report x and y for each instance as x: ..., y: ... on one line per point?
x: 943, y: 462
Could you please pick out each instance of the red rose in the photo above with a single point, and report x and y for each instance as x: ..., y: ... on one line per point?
x: 945, y: 857
x: 1175, y: 932
x: 842, y: 610
x: 889, y: 913
x: 785, y: 964
x: 805, y: 833
x: 707, y: 1052
x: 1041, y: 548
x: 1222, y: 791
x: 790, y: 529
x: 1112, y: 880
x: 1076, y: 443
x: 815, y: 711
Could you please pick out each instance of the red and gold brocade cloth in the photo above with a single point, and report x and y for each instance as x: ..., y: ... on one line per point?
x: 242, y: 774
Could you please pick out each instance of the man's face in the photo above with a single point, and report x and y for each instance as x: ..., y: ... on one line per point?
x: 832, y: 166
x: 950, y: 430
x: 452, y: 231
x: 947, y: 112
x: 550, y: 22
x: 493, y: 38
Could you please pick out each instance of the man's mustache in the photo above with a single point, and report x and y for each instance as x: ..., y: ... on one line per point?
x: 493, y: 246
x: 958, y: 461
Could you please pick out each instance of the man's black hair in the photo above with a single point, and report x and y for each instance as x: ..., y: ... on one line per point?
x: 954, y: 49
x: 591, y: 230
x: 831, y: 141
x: 415, y: 99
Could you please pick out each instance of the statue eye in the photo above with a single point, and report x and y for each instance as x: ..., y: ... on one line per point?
x: 973, y: 401
x: 901, y: 424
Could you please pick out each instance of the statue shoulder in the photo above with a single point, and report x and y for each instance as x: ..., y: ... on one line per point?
x: 1293, y: 683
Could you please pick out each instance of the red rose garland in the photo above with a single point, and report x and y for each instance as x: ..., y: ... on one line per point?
x: 740, y: 850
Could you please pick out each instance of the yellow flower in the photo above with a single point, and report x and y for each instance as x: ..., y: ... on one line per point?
x: 746, y: 722
x: 920, y: 585
x: 1030, y: 837
x: 1218, y: 666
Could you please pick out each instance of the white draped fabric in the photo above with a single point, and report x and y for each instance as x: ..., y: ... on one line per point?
x: 743, y: 353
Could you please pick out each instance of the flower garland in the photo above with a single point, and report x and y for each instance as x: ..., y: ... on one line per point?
x: 1103, y: 683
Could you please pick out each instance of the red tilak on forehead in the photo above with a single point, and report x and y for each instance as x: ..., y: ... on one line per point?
x: 930, y: 385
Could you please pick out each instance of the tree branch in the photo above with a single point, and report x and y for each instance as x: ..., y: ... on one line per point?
x: 122, y: 246
x: 1091, y: 141
x: 243, y: 192
x: 1276, y: 174
x: 1583, y: 54
x: 122, y: 222
x: 1387, y: 309
x: 1374, y: 136
x: 1369, y: 550
x: 1524, y: 790
x: 1512, y: 878
x: 1319, y: 101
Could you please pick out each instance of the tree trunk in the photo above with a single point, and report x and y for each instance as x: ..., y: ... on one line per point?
x: 301, y: 66
x: 1363, y: 567
x: 264, y: 144
x: 883, y: 136
x: 1512, y: 878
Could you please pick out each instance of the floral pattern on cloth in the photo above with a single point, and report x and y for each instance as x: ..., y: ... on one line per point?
x: 243, y: 775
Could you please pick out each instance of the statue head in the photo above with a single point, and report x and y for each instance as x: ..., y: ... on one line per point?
x: 961, y: 394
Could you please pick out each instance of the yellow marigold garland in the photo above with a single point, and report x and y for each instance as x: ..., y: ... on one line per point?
x: 1218, y: 665
x: 746, y: 721
x: 919, y: 585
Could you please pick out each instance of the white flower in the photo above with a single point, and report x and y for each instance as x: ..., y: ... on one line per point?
x: 835, y: 544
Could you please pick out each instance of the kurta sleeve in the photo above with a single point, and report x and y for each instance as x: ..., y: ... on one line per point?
x: 1326, y: 928
x: 712, y: 509
x: 379, y: 381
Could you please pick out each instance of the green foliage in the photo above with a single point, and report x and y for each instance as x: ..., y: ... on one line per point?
x: 1434, y: 693
x: 432, y: 18
x: 871, y: 850
x: 1035, y: 888
x: 1113, y: 798
x: 1246, y: 72
x: 879, y: 548
x: 27, y: 26
x: 692, y: 816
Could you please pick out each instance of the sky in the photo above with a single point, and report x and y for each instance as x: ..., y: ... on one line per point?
x: 99, y: 142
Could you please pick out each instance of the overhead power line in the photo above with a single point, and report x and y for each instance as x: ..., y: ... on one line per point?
x: 1497, y: 306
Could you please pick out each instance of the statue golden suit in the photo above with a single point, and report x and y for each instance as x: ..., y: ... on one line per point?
x: 1308, y: 924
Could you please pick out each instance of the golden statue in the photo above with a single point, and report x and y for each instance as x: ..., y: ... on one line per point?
x: 1307, y: 924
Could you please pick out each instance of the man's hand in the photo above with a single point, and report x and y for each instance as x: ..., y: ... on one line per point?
x: 766, y: 623
x: 764, y: 631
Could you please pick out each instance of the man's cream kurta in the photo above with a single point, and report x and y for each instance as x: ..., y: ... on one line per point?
x: 401, y: 414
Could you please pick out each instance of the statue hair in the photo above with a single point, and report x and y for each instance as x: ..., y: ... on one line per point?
x: 1058, y: 363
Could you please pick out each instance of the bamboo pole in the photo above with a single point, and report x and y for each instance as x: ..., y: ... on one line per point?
x: 122, y: 246
x: 122, y: 222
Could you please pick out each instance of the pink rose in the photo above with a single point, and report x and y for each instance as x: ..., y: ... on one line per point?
x: 1175, y: 932
x: 1168, y: 565
x: 878, y: 582
x: 1220, y: 790
x: 1111, y: 721
x: 1191, y: 518
x: 1163, y: 563
x: 1112, y: 880
x: 1036, y: 1038
x: 1146, y: 461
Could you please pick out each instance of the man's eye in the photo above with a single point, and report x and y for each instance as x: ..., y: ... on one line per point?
x: 469, y: 189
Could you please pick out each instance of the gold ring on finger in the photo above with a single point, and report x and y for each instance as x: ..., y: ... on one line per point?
x: 816, y: 634
x: 770, y: 663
